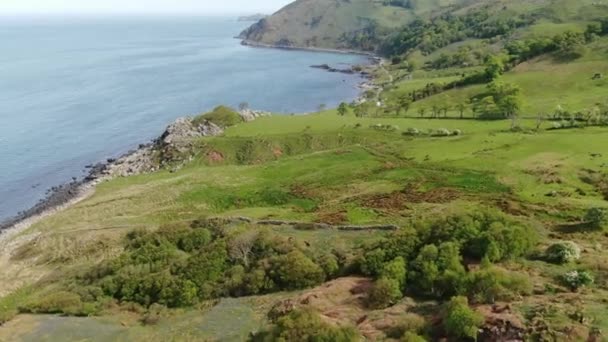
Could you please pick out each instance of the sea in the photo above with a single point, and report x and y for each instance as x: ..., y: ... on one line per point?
x: 78, y: 90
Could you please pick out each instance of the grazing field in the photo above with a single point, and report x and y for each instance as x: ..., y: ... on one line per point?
x: 339, y: 170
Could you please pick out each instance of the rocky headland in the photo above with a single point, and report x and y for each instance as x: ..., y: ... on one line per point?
x: 170, y: 148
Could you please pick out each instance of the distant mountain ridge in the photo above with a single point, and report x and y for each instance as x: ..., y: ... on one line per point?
x: 337, y: 24
x: 253, y: 17
x: 365, y: 25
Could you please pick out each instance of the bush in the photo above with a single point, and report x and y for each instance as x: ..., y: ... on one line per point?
x: 61, y: 302
x: 492, y: 284
x: 306, y: 326
x: 460, y: 321
x: 384, y: 293
x: 597, y: 217
x: 577, y: 279
x: 222, y: 116
x: 395, y: 270
x: 296, y: 271
x: 412, y: 337
x: 563, y: 252
x: 372, y: 262
x: 456, y: 132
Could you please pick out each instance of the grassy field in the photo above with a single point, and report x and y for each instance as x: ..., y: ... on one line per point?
x: 345, y: 171
x: 324, y: 168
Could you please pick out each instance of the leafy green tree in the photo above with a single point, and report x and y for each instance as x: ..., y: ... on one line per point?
x: 461, y: 107
x: 384, y: 293
x: 372, y: 262
x: 425, y: 270
x: 571, y: 44
x: 421, y: 112
x: 342, y: 109
x: 460, y: 321
x: 296, y: 271
x: 494, y: 67
x: 404, y: 102
x: 395, y: 269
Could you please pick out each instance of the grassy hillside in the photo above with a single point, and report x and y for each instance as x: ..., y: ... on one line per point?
x: 331, y: 169
x: 469, y: 200
x: 335, y: 23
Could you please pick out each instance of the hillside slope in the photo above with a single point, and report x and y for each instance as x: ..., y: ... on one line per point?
x: 340, y: 24
x: 373, y: 25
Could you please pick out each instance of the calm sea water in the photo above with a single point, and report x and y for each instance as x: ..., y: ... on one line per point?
x: 77, y: 91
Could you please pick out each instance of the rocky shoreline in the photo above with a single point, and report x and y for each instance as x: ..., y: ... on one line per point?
x: 150, y: 157
x: 154, y: 155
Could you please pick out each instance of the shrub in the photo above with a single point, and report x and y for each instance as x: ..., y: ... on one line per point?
x: 61, y: 302
x: 456, y: 132
x: 460, y: 321
x: 412, y: 337
x: 329, y: 264
x: 492, y: 284
x: 306, y: 326
x: 384, y: 293
x: 563, y: 252
x: 372, y: 262
x: 222, y: 116
x: 408, y: 322
x: 296, y: 271
x: 396, y: 270
x: 597, y: 217
x: 577, y: 279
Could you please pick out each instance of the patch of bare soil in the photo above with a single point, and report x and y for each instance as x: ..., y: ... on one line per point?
x: 215, y: 157
x: 277, y: 152
x: 332, y: 218
x: 597, y: 179
x: 546, y: 174
x: 342, y: 302
x: 399, y: 200
x: 501, y: 324
x: 511, y: 207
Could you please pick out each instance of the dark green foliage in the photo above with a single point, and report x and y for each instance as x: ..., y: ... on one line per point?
x: 502, y: 241
x: 597, y: 218
x: 438, y: 271
x: 395, y: 269
x: 306, y: 326
x: 342, y: 109
x: 430, y: 35
x: 177, y: 267
x: 502, y: 100
x: 384, y: 293
x: 491, y: 284
x: 295, y: 271
x: 433, y: 254
x: 460, y: 321
x: 372, y: 262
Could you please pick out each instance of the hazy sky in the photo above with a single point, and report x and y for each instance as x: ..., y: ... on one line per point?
x: 141, y: 6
